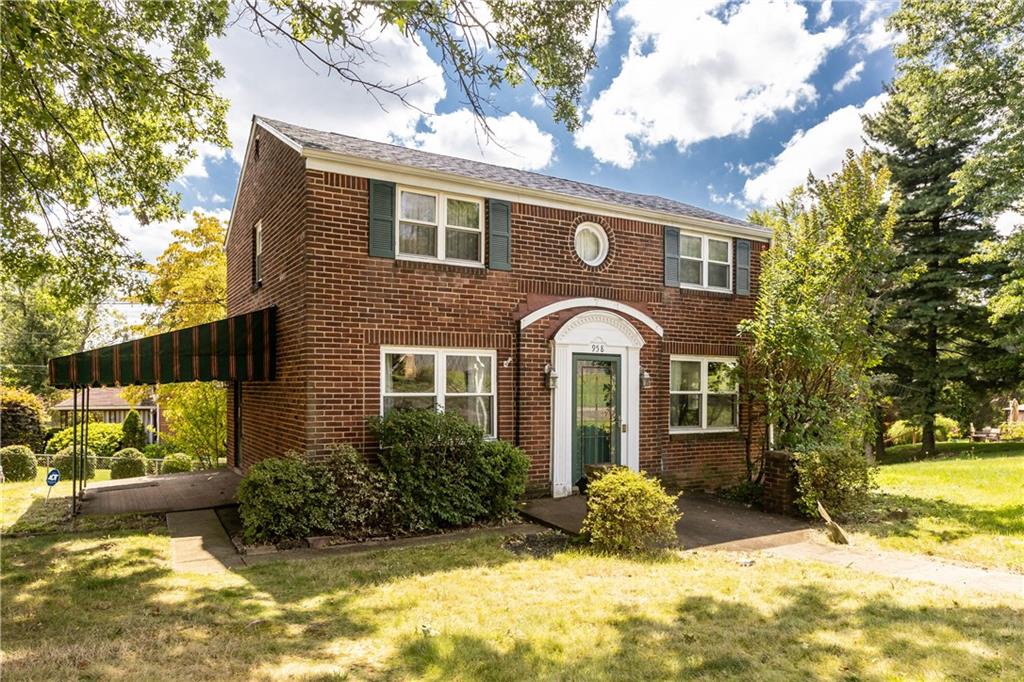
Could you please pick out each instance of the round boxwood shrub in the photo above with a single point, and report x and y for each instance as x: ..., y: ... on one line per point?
x: 63, y: 463
x: 104, y: 439
x: 837, y: 475
x: 505, y: 468
x: 286, y: 499
x: 128, y: 463
x: 18, y: 462
x: 629, y: 512
x: 156, y: 451
x: 176, y: 463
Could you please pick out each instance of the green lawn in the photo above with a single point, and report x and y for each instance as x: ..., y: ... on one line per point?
x: 966, y: 505
x: 97, y: 606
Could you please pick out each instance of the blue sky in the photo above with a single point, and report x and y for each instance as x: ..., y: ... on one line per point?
x: 725, y: 105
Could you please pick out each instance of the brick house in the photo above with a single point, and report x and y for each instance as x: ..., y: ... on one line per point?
x: 582, y: 323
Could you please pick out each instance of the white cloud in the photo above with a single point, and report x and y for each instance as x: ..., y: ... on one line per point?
x: 850, y: 77
x: 877, y: 37
x: 690, y: 76
x: 517, y: 143
x: 819, y: 150
x: 1006, y: 222
x: 825, y: 12
x: 151, y: 240
x: 269, y: 79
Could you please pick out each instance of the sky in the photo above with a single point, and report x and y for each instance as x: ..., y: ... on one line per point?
x: 724, y: 105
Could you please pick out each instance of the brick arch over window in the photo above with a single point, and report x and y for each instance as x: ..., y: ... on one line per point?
x: 604, y: 303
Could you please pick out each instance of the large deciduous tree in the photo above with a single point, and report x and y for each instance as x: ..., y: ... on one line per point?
x: 105, y: 102
x: 810, y: 348
x: 960, y: 75
x: 940, y: 343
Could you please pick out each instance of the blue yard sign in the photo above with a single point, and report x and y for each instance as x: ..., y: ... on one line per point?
x: 52, y: 477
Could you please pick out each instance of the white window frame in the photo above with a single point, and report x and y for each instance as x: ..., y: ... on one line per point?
x: 602, y: 238
x: 703, y: 392
x: 441, y: 356
x: 258, y: 265
x: 441, y: 214
x: 705, y: 258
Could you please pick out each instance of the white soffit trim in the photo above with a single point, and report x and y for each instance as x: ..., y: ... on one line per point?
x: 333, y: 162
x: 590, y: 302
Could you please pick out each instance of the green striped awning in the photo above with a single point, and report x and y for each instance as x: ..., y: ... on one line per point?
x: 239, y: 348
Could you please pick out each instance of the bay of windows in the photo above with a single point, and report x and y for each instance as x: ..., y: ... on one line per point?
x: 703, y: 394
x: 462, y: 381
x: 437, y: 226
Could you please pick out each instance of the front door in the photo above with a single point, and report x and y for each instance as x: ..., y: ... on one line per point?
x: 595, y: 411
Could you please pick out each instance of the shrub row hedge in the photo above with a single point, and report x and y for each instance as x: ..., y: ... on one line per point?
x: 18, y: 462
x: 436, y: 471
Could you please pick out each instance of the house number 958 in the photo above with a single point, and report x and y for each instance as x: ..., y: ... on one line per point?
x: 597, y: 348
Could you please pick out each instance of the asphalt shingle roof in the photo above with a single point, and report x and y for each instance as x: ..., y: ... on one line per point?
x: 415, y: 158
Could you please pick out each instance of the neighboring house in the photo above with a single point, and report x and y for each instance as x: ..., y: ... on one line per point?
x: 1014, y: 412
x: 583, y: 324
x: 107, y: 405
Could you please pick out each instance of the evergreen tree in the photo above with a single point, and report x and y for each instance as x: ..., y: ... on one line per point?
x: 133, y: 433
x: 938, y: 333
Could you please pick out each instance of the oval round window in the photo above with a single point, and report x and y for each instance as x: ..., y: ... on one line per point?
x: 591, y: 243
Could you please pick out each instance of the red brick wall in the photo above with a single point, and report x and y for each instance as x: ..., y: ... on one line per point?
x: 349, y: 305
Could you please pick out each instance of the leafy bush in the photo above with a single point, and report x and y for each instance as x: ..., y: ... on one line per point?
x: 176, y: 463
x: 133, y: 432
x: 18, y: 463
x: 1015, y: 431
x: 104, y: 439
x: 838, y: 476
x: 128, y: 463
x: 22, y: 416
x: 365, y: 502
x: 286, y: 499
x: 63, y: 463
x: 903, y: 432
x: 504, y: 467
x: 156, y: 451
x: 444, y: 472
x: 629, y: 512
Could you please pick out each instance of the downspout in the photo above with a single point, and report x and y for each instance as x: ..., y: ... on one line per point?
x: 517, y: 381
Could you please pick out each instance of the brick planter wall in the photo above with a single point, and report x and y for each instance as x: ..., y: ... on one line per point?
x: 779, y: 483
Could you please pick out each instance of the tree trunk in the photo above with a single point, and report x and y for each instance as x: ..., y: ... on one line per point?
x: 932, y: 395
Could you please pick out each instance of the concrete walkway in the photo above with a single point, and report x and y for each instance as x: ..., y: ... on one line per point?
x: 199, y: 543
x: 165, y: 493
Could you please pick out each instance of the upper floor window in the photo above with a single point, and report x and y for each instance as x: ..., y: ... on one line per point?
x: 591, y: 243
x: 462, y: 381
x: 703, y: 394
x: 257, y: 254
x: 705, y: 262
x: 437, y: 226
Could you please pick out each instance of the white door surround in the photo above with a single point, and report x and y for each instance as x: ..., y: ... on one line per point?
x: 603, y: 332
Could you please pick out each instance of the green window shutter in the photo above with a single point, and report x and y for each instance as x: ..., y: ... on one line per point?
x: 499, y: 219
x: 671, y: 257
x: 743, y: 267
x: 382, y: 219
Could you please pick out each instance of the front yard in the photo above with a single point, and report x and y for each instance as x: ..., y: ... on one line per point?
x: 108, y: 607
x: 966, y: 505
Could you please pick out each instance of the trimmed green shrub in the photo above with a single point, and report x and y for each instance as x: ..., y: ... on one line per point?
x: 18, y: 462
x: 286, y: 499
x: 22, y: 416
x: 440, y: 467
x: 176, y: 463
x: 133, y: 432
x: 157, y: 451
x: 838, y: 476
x: 903, y: 432
x: 1014, y: 431
x: 127, y: 463
x: 365, y: 501
x: 629, y: 512
x: 505, y: 468
x: 104, y: 439
x: 63, y: 463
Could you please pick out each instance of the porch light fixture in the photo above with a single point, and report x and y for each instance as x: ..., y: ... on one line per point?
x: 551, y: 376
x: 645, y: 378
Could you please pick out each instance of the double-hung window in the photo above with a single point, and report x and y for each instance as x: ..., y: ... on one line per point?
x: 703, y: 394
x: 436, y: 226
x: 705, y: 262
x: 462, y: 381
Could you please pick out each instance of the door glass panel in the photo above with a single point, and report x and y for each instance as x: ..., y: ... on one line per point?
x: 596, y: 412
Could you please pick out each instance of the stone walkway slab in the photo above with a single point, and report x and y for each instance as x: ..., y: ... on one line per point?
x: 199, y: 543
x: 164, y: 493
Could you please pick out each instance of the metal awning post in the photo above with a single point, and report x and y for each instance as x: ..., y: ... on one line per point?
x: 85, y: 443
x: 74, y: 451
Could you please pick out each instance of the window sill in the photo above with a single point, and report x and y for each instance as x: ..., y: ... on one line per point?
x: 679, y: 434
x: 462, y: 268
x: 707, y: 290
x: 438, y: 261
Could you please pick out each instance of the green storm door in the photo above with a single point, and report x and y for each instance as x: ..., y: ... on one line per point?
x: 595, y: 411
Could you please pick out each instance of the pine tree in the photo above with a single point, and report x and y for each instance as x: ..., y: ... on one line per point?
x: 939, y: 337
x: 133, y: 432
